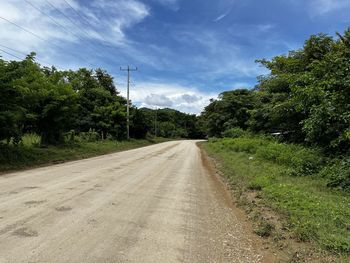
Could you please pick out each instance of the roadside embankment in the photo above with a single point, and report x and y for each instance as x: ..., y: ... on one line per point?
x: 284, y: 190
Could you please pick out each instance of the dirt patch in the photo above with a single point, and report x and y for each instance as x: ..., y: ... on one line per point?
x: 34, y: 202
x: 63, y: 208
x: 268, y: 255
x: 25, y: 232
x: 92, y: 222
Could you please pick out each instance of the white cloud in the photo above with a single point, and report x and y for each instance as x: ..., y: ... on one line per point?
x: 190, y: 98
x: 119, y: 15
x: 158, y: 100
x: 220, y: 17
x: 322, y: 7
x: 162, y: 95
x: 106, y: 22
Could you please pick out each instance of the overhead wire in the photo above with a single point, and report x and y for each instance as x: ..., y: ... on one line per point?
x: 25, y: 54
x: 51, y: 18
x: 88, y: 34
x: 105, y: 41
x: 68, y: 18
x: 60, y: 25
x: 75, y: 11
x: 43, y: 39
x: 26, y: 30
x: 8, y: 53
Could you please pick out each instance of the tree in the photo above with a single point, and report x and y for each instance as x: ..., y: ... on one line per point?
x: 49, y: 102
x: 231, y: 110
x: 11, y: 111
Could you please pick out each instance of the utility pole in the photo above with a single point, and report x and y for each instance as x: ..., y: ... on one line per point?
x: 155, y: 123
x: 128, y: 69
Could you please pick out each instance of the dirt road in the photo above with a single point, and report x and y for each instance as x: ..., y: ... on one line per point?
x: 153, y: 204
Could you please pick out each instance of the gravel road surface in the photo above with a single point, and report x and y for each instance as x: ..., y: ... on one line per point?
x: 154, y: 204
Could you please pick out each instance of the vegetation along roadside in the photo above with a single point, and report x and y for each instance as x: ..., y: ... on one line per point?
x: 287, y: 192
x: 284, y: 147
x: 29, y: 154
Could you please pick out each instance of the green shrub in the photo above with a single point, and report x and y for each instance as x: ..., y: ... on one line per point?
x: 255, y: 186
x: 69, y: 137
x: 31, y: 139
x: 302, y: 161
x: 264, y: 229
x: 304, y: 230
x: 90, y: 136
x: 243, y: 144
x: 338, y: 174
x: 233, y: 133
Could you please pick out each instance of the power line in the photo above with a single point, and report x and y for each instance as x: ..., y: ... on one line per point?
x: 43, y: 39
x: 42, y: 12
x: 60, y: 25
x: 75, y: 11
x: 20, y: 52
x: 128, y: 69
x: 25, y: 54
x: 87, y: 33
x: 10, y: 54
x: 29, y: 32
x: 68, y: 18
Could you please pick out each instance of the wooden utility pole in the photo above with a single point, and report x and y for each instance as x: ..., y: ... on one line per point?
x: 128, y: 69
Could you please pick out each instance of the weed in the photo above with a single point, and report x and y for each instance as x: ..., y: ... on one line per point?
x: 264, y: 229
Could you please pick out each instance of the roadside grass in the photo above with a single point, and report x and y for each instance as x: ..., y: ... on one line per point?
x: 29, y: 154
x: 289, y: 184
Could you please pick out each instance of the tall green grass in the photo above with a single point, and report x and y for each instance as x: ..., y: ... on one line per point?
x: 29, y: 154
x: 288, y: 178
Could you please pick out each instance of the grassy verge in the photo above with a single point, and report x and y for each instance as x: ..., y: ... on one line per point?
x: 286, y: 179
x: 15, y: 158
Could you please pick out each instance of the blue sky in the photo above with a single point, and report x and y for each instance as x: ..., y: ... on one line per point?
x: 187, y: 51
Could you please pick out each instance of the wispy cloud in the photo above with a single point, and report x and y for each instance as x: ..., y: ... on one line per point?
x: 222, y: 16
x: 322, y: 7
x: 215, y: 56
x: 104, y: 21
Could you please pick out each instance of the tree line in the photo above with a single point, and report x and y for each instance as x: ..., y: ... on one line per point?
x: 305, y: 98
x: 53, y: 103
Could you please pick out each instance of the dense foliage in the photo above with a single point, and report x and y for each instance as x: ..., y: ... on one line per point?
x: 305, y: 98
x: 54, y: 104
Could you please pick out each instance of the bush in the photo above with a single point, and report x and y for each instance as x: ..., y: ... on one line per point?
x: 12, y: 154
x: 31, y: 139
x: 244, y: 144
x: 264, y: 229
x: 233, y: 133
x: 70, y: 137
x: 303, y: 161
x: 338, y: 174
x: 90, y: 136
